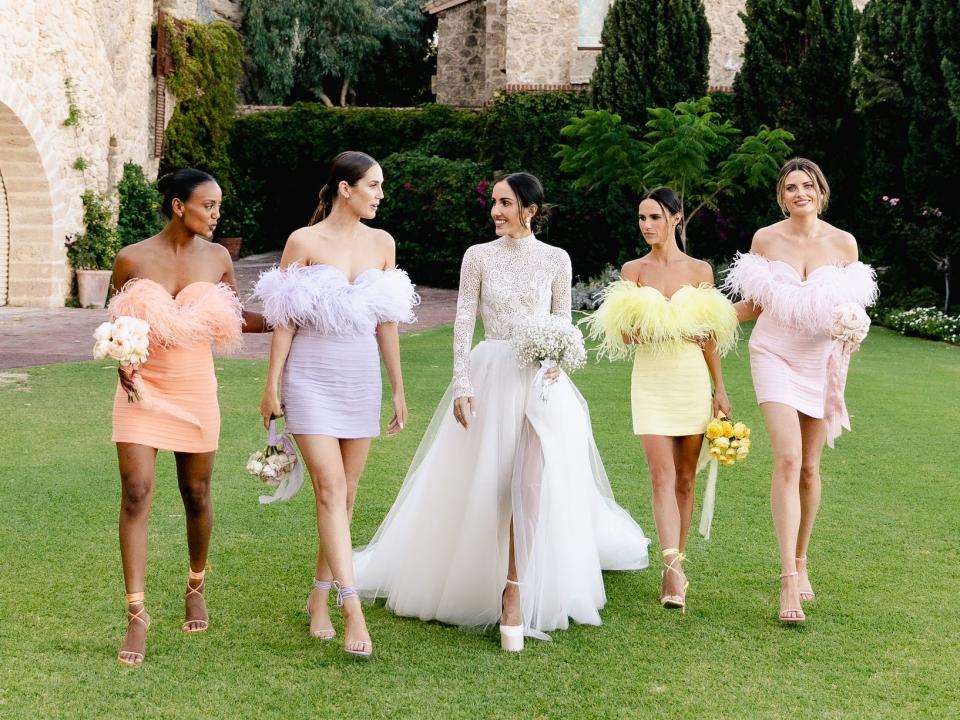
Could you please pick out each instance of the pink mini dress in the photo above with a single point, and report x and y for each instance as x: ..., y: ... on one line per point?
x: 791, y: 351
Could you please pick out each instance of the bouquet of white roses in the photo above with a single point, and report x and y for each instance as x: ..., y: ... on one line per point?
x: 277, y: 465
x: 549, y: 340
x: 125, y: 340
x: 849, y: 323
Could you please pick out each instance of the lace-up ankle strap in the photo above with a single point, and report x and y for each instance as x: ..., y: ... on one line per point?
x: 135, y: 598
x: 197, y: 575
x: 344, y: 592
x: 513, y: 582
x: 323, y: 585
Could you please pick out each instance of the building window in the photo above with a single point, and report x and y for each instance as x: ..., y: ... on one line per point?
x: 590, y: 24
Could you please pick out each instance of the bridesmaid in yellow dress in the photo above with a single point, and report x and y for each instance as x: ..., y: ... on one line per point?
x: 666, y: 309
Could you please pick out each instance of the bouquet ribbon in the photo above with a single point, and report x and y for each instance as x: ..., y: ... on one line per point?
x: 709, y: 493
x: 292, y: 481
x: 834, y: 407
x: 539, y: 380
x: 159, y: 405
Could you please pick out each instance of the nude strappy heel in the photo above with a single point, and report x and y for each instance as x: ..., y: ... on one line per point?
x: 192, y: 626
x: 130, y: 657
x: 805, y: 595
x: 511, y: 636
x: 673, y: 602
x: 365, y: 649
x: 323, y: 586
x: 791, y: 616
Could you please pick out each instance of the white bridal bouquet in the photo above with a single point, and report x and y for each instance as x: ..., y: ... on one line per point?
x: 277, y: 465
x: 549, y: 340
x: 849, y: 323
x: 125, y: 340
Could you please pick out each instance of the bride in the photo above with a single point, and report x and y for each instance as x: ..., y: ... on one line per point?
x: 506, y: 512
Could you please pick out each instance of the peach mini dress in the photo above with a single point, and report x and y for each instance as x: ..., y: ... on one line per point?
x: 790, y: 347
x: 179, y: 409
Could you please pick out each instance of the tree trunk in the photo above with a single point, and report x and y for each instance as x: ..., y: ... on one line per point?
x: 325, y: 99
x: 344, y: 89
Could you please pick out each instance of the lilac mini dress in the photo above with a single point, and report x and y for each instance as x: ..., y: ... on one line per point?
x: 331, y: 379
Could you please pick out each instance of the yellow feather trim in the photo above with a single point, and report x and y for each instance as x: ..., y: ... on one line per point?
x: 642, y: 313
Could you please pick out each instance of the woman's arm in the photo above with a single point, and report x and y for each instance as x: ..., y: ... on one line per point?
x: 253, y: 322
x: 721, y: 402
x: 388, y: 339
x: 747, y: 310
x: 464, y: 405
x: 270, y: 404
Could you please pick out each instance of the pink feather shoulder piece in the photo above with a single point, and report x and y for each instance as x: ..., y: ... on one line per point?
x: 793, y: 301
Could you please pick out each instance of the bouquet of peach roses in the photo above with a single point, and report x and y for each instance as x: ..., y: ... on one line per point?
x: 726, y: 443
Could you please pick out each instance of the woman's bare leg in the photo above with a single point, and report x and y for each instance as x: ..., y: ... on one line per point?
x: 136, y: 495
x: 659, y: 451
x: 194, y: 472
x: 354, y: 454
x: 686, y: 452
x: 783, y: 427
x: 327, y: 466
x: 814, y: 434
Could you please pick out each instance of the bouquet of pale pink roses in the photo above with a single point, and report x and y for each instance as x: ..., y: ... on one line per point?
x: 277, y: 465
x: 126, y: 340
x: 849, y: 323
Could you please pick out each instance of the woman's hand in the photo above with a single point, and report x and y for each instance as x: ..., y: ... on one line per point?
x: 552, y: 374
x: 270, y: 406
x: 399, y: 415
x: 464, y: 408
x: 130, y: 381
x: 721, y: 403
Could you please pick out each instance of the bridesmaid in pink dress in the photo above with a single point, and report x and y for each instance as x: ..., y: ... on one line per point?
x: 797, y: 272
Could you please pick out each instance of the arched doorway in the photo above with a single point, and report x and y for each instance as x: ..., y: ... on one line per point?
x: 32, y: 259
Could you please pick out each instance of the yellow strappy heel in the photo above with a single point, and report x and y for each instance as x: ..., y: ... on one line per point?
x: 192, y: 626
x: 672, y: 602
x: 131, y: 657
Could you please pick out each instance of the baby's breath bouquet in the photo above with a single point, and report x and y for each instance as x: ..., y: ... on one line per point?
x: 727, y: 442
x: 551, y: 341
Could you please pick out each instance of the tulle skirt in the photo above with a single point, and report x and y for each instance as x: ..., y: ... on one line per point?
x: 442, y: 552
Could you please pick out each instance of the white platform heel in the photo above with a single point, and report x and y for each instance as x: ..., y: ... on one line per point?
x: 511, y: 636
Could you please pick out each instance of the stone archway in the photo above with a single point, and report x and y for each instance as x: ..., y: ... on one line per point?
x: 32, y: 261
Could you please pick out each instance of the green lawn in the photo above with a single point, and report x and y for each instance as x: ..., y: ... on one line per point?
x: 881, y: 639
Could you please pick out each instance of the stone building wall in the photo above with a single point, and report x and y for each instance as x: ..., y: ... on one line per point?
x: 541, y: 45
x: 95, y: 55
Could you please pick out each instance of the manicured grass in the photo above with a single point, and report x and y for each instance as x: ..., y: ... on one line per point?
x: 881, y: 639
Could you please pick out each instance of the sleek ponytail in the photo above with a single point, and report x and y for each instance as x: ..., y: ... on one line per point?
x: 349, y: 166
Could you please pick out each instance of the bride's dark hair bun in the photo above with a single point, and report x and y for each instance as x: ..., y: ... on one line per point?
x: 180, y: 184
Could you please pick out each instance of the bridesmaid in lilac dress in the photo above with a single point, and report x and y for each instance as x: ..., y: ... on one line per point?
x: 798, y: 271
x: 334, y: 299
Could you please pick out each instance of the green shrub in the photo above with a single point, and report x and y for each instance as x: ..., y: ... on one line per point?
x: 98, y: 245
x: 139, y: 206
x: 435, y: 209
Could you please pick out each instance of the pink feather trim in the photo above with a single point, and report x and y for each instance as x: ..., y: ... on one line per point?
x: 794, y: 302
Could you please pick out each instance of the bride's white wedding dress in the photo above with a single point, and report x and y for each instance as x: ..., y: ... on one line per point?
x: 442, y: 552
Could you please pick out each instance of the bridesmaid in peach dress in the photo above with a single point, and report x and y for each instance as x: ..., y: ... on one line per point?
x: 796, y: 273
x: 183, y: 286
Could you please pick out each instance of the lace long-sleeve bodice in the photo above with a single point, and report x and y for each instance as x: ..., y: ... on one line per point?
x: 506, y: 279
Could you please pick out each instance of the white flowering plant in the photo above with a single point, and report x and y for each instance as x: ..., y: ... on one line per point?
x: 551, y: 341
x: 126, y: 340
x: 925, y: 322
x: 849, y: 323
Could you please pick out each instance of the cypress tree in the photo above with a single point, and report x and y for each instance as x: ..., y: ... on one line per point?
x: 655, y: 54
x: 796, y: 74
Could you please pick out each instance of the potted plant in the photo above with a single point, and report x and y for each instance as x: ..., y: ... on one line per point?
x: 91, y: 253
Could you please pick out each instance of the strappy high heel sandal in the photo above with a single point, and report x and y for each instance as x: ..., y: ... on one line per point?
x: 365, y: 647
x: 790, y: 616
x: 805, y: 595
x: 673, y: 602
x: 199, y: 625
x: 131, y: 657
x: 324, y: 586
x: 511, y: 636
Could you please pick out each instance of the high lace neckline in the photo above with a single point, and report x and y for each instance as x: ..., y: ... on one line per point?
x: 517, y: 242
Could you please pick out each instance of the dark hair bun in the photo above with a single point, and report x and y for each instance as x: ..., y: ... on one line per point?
x: 180, y: 184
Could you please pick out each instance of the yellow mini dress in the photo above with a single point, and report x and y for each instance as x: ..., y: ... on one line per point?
x: 670, y: 384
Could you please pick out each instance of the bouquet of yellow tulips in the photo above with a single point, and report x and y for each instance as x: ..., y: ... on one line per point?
x: 729, y: 441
